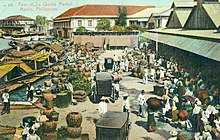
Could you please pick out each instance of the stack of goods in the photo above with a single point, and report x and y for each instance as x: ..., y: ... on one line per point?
x: 64, y: 74
x: 74, y: 129
x: 80, y: 95
x: 49, y: 130
x: 87, y: 73
x: 138, y: 72
x: 55, y: 74
x: 49, y: 127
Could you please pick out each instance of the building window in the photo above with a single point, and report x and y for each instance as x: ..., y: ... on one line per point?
x: 89, y: 22
x: 158, y: 23
x: 79, y: 22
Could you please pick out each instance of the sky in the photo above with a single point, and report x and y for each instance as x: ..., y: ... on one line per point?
x: 53, y: 8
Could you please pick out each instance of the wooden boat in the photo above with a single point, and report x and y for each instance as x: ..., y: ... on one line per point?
x: 23, y: 36
x: 34, y: 36
x: 13, y: 43
x: 6, y: 35
x: 42, y: 37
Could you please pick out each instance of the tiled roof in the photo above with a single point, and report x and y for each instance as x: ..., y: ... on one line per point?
x: 18, y: 17
x: 100, y: 10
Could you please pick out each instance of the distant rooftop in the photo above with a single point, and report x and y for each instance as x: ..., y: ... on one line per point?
x: 183, y: 4
x: 100, y: 10
x: 18, y: 17
x: 147, y: 12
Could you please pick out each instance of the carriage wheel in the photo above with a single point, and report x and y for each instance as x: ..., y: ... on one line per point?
x: 113, y: 95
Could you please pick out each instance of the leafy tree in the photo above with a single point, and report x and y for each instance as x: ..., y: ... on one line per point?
x: 122, y: 17
x: 103, y: 25
x: 40, y: 20
x: 117, y: 28
x: 135, y: 27
x: 81, y: 29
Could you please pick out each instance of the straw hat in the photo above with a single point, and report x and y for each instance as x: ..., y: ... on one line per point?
x: 125, y: 95
x: 173, y: 132
x: 217, y: 107
x: 103, y: 98
x: 208, y: 128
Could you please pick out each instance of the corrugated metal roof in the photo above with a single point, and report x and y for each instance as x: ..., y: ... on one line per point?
x: 164, y: 13
x: 147, y: 12
x: 213, y: 10
x: 206, y: 34
x: 183, y: 4
x: 183, y: 15
x: 207, y: 48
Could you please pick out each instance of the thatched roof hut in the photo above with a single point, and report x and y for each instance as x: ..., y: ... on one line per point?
x: 19, y: 54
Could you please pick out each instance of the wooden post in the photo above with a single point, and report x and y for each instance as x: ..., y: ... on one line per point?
x: 35, y: 66
x: 156, y: 45
x: 48, y: 61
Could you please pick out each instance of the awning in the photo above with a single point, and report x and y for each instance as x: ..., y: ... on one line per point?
x: 4, y: 69
x: 205, y: 47
x: 38, y: 57
x: 25, y: 67
x: 43, y: 58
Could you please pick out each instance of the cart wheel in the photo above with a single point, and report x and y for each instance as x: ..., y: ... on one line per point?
x: 94, y: 97
x: 113, y: 95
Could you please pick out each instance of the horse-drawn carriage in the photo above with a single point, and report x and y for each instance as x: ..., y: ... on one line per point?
x: 103, y: 86
x: 113, y: 126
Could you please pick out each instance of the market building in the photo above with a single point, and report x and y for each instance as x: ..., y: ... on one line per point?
x: 196, y: 45
x: 89, y: 16
x: 180, y: 13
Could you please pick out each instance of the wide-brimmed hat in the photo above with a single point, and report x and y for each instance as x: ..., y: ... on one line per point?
x: 104, y: 98
x: 125, y: 95
x: 208, y: 128
x: 173, y: 132
x: 217, y: 107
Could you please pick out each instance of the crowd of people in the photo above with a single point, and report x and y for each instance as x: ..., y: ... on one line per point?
x: 190, y: 101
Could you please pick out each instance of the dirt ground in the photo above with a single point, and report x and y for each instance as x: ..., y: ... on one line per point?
x: 90, y: 113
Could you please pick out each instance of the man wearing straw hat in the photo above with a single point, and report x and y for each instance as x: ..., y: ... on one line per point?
x: 126, y: 103
x: 6, y: 102
x: 141, y: 102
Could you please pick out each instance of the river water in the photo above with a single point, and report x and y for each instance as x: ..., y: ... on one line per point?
x: 4, y: 44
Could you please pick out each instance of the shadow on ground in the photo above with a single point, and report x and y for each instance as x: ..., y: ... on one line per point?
x: 142, y: 124
x: 146, y: 138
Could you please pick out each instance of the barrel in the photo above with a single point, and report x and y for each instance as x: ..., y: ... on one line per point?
x: 63, y: 99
